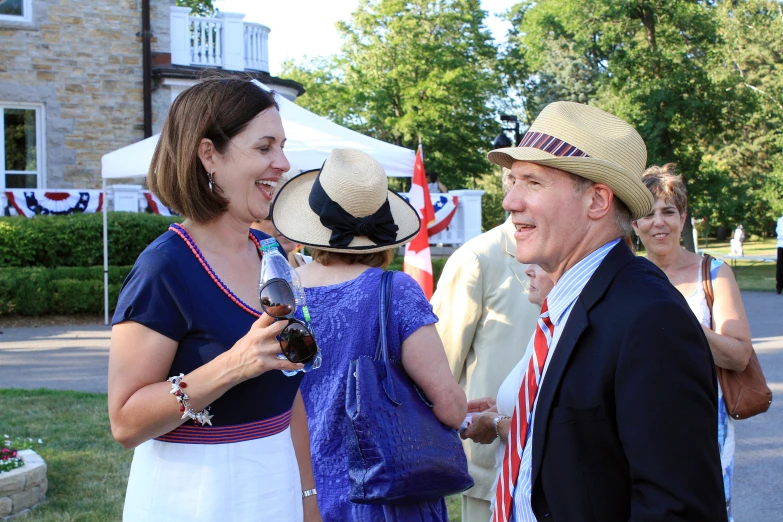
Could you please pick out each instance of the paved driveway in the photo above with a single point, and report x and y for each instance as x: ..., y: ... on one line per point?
x: 57, y: 357
x: 758, y: 471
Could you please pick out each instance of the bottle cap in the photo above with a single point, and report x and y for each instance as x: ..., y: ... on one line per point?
x: 268, y: 244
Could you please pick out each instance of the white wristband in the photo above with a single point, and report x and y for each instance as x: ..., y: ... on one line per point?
x: 309, y: 493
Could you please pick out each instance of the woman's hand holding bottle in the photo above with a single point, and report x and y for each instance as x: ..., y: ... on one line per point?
x: 258, y: 351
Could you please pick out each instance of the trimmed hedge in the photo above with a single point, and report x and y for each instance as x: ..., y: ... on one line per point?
x: 76, y: 240
x: 437, y: 267
x: 66, y: 290
x: 71, y: 290
x: 53, y: 264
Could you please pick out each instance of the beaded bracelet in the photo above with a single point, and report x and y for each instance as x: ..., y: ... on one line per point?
x: 495, y: 423
x: 199, y: 418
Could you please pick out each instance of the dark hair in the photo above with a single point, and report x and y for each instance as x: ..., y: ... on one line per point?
x: 433, y: 175
x: 218, y: 108
x: 380, y: 259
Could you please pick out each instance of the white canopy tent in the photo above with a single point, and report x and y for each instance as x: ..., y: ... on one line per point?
x: 310, y: 139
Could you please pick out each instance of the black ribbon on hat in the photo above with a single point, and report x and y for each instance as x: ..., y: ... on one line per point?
x: 379, y: 227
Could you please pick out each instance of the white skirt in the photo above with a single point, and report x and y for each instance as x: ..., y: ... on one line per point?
x: 237, y: 482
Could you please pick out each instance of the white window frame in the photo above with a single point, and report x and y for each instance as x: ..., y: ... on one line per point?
x: 40, y: 141
x: 27, y: 13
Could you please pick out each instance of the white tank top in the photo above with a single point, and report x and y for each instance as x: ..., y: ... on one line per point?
x: 697, y: 300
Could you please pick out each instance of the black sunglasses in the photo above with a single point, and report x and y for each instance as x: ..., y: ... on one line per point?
x: 296, y: 340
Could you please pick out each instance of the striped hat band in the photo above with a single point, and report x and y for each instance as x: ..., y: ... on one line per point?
x: 552, y: 145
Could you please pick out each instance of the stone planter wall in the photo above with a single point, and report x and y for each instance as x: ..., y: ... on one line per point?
x: 23, y: 488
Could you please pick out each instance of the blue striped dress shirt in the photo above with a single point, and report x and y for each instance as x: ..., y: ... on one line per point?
x: 560, y: 300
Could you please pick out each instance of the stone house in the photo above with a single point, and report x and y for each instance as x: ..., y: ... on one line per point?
x: 74, y: 84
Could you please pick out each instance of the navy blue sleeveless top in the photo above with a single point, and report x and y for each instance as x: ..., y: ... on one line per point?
x: 172, y: 290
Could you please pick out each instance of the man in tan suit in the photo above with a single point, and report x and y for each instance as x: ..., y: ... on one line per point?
x: 485, y: 323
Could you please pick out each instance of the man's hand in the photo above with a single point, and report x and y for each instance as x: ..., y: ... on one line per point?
x: 481, y: 430
x: 482, y: 404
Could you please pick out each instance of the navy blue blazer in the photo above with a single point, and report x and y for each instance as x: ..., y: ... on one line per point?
x: 626, y: 426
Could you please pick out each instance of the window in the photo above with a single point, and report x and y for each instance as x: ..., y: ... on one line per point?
x: 16, y: 10
x: 21, y: 154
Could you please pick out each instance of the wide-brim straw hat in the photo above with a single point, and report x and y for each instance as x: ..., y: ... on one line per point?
x: 590, y: 143
x: 358, y: 184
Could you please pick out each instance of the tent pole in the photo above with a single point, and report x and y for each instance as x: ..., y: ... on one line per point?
x: 105, y: 256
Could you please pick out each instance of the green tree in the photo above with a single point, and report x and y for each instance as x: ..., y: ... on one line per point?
x: 410, y: 71
x: 655, y: 63
x: 199, y: 7
x: 752, y: 164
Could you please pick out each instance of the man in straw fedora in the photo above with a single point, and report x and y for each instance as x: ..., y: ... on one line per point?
x: 616, y: 416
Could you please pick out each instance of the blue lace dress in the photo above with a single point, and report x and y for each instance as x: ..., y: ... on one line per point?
x: 345, y: 324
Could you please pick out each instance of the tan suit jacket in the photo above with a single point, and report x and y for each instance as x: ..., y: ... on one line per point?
x: 485, y: 323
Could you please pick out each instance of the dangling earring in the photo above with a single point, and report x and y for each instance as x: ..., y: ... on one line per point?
x: 209, y: 175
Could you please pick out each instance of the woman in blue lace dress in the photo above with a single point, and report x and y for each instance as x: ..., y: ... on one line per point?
x: 352, y: 225
x: 727, y: 328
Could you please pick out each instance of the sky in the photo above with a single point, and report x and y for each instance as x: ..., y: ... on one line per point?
x: 306, y: 28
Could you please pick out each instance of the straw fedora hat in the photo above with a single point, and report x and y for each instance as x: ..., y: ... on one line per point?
x: 590, y: 143
x: 346, y: 206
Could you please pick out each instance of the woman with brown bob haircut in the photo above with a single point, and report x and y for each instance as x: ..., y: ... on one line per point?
x: 352, y: 223
x: 194, y: 380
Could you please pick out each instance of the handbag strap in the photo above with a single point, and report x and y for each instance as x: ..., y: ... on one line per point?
x: 384, y: 308
x: 706, y: 281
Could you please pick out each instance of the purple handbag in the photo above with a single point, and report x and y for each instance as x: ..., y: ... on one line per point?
x: 401, y: 452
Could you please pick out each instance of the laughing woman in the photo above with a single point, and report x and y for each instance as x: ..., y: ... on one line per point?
x: 727, y: 330
x: 194, y: 380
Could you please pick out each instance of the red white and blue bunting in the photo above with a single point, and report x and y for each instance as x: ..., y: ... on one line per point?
x: 445, y: 206
x: 30, y: 203
x: 154, y: 206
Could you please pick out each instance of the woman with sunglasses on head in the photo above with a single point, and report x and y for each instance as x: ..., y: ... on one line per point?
x: 352, y: 224
x: 727, y: 329
x: 195, y: 381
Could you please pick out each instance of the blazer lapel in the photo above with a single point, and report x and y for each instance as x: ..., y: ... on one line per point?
x: 577, y: 322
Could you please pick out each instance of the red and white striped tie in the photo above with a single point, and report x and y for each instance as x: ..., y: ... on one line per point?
x: 504, y: 492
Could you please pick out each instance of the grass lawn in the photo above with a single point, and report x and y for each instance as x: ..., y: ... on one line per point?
x: 87, y: 469
x: 751, y: 274
x: 756, y: 247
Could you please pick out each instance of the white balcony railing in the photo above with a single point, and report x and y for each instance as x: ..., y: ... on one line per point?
x: 256, y: 47
x: 224, y: 41
x: 206, y: 35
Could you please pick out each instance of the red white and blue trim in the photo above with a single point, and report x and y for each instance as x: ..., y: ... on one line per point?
x: 227, y: 434
x: 181, y: 232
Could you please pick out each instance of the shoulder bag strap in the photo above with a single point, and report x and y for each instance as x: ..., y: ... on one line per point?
x: 706, y: 281
x: 384, y: 308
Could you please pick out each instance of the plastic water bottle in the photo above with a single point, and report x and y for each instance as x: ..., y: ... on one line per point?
x: 275, y: 265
